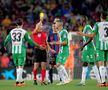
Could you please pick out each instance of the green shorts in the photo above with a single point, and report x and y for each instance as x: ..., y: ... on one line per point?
x: 19, y: 59
x: 102, y: 55
x: 88, y: 56
x: 62, y: 57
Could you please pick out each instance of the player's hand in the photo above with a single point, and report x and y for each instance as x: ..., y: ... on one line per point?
x: 42, y: 48
x: 52, y: 43
x: 53, y: 51
x: 79, y: 33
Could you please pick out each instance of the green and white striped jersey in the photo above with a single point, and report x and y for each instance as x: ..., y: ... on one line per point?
x: 88, y: 30
x: 101, y: 31
x: 63, y: 35
x: 18, y: 36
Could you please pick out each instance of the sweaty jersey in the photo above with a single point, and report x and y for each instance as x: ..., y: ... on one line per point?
x: 101, y: 31
x: 63, y: 35
x: 88, y: 30
x: 18, y: 36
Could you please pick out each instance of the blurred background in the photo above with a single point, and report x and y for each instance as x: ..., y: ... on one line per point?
x: 72, y: 13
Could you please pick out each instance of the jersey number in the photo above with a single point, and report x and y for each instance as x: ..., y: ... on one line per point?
x: 16, y: 37
x: 106, y: 29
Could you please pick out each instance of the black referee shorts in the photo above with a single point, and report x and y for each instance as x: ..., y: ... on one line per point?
x: 40, y: 55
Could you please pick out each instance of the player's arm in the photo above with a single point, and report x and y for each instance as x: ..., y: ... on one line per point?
x: 37, y: 27
x: 28, y: 38
x: 64, y: 42
x: 94, y: 32
x: 61, y: 43
x: 39, y: 24
x: 48, y: 44
x: 87, y: 35
x: 8, y: 39
x: 90, y: 39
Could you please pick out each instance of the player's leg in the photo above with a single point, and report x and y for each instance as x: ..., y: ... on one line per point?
x: 36, y: 64
x: 94, y: 65
x: 96, y: 72
x: 106, y: 66
x: 61, y: 69
x: 21, y: 63
x: 106, y: 69
x: 15, y: 60
x: 43, y: 58
x: 84, y: 72
x: 101, y: 58
x: 50, y: 73
x: 85, y: 60
x: 51, y: 66
x: 63, y: 62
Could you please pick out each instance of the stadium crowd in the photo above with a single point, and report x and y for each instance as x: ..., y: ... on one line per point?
x: 71, y: 11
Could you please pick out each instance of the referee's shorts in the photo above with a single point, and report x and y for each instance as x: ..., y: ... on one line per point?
x: 39, y: 55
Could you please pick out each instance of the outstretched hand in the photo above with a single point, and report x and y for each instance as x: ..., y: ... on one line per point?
x: 52, y: 43
x: 79, y: 33
x: 43, y: 47
x: 53, y: 51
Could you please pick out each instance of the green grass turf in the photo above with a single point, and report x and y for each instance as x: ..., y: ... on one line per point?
x: 90, y: 85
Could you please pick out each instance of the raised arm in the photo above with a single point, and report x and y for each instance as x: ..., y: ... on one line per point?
x: 39, y: 24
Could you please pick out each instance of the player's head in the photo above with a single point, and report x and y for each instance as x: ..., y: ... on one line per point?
x: 84, y: 20
x: 19, y: 22
x: 103, y: 16
x: 54, y: 29
x: 58, y: 23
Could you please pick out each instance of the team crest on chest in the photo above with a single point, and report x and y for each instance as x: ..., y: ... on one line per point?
x: 39, y: 35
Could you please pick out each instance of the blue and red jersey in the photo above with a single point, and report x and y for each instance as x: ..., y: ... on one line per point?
x: 53, y: 37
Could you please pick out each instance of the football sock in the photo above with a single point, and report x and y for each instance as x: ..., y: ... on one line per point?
x: 34, y: 73
x: 18, y: 75
x: 102, y: 73
x: 84, y: 71
x: 43, y: 73
x: 96, y: 72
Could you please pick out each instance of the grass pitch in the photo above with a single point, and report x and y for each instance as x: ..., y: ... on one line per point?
x: 90, y: 85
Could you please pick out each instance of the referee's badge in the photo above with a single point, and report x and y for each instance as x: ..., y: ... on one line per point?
x: 39, y: 34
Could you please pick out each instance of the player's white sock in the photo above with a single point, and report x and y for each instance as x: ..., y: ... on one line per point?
x: 84, y: 71
x: 96, y: 72
x: 18, y: 75
x: 59, y: 69
x: 21, y: 71
x: 102, y: 73
x: 107, y: 71
x: 64, y: 72
x: 47, y: 76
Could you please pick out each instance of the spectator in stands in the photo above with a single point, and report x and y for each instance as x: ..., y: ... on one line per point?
x: 7, y: 21
x: 5, y: 60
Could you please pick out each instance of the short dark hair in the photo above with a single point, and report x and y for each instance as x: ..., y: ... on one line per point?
x: 19, y: 22
x: 103, y: 15
x: 59, y: 20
